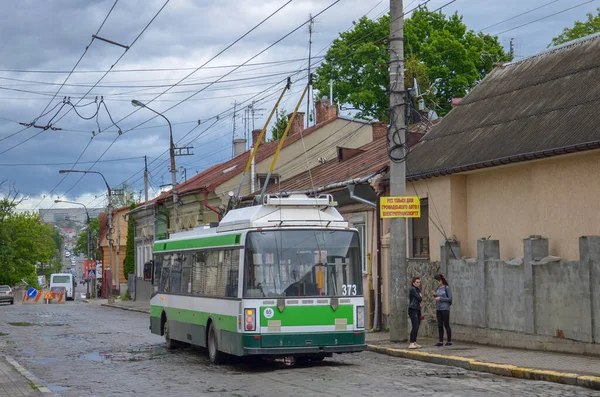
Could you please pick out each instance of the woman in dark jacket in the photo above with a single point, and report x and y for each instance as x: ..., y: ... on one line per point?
x: 414, y: 311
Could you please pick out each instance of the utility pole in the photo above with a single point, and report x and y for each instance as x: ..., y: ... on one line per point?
x: 397, y: 132
x: 512, y: 49
x: 246, y: 127
x: 233, y: 134
x: 310, y: 30
x: 145, y: 179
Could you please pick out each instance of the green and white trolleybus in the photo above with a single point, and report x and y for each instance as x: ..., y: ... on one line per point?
x: 278, y: 279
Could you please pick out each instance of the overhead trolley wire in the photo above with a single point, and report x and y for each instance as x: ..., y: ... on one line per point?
x: 80, y: 58
x: 546, y: 17
x: 98, y: 82
x: 264, y: 50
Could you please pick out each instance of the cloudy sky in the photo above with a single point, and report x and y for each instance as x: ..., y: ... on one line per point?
x: 94, y: 125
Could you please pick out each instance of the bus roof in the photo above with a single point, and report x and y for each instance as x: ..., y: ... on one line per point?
x: 276, y: 211
x: 297, y: 210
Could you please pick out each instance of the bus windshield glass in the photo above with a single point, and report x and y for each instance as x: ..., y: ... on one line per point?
x: 61, y: 279
x: 288, y: 263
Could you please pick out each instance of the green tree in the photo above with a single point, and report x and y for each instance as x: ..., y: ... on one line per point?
x: 443, y: 56
x: 579, y: 29
x: 279, y: 126
x: 129, y: 261
x: 24, y: 242
x: 81, y: 246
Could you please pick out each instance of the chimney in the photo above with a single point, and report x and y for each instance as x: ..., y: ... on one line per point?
x: 255, y: 134
x: 239, y: 146
x: 379, y: 130
x: 324, y: 110
x: 298, y: 124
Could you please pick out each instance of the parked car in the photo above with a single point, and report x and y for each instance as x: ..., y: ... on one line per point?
x: 6, y: 294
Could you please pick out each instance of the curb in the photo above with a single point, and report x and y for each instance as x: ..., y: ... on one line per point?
x: 30, y: 377
x: 591, y: 382
x: 126, y: 308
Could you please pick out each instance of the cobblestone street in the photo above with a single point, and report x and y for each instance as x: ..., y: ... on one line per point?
x: 79, y: 349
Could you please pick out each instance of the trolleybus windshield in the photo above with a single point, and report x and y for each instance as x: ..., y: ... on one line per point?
x: 288, y: 263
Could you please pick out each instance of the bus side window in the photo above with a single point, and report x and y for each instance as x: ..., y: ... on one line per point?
x: 158, y: 260
x: 165, y: 274
x: 231, y: 289
x: 198, y: 272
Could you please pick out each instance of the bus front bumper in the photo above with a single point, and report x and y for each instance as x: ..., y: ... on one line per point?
x: 316, y: 350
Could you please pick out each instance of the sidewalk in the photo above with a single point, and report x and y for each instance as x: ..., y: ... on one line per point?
x: 134, y: 306
x: 17, y: 381
x: 528, y: 364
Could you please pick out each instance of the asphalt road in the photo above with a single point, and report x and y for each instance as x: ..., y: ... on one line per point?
x: 79, y: 349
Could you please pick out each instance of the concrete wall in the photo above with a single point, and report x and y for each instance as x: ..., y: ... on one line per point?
x: 538, y: 302
x: 507, y: 310
x: 556, y: 197
x: 143, y: 290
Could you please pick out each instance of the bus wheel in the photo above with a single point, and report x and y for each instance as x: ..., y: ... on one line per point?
x: 215, y: 356
x: 301, y: 361
x: 171, y: 344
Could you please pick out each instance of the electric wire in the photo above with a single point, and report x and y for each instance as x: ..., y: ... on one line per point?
x: 519, y: 15
x: 80, y: 58
x: 124, y: 52
x: 546, y: 17
x: 104, y: 75
x: 264, y: 49
x: 151, y: 70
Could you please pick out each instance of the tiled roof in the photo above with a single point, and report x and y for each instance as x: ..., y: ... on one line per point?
x: 373, y: 159
x: 540, y: 106
x: 218, y: 174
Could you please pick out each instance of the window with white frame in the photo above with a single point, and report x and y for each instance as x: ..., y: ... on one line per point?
x: 262, y: 178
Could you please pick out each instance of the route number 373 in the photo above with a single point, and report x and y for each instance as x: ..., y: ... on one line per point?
x: 348, y: 289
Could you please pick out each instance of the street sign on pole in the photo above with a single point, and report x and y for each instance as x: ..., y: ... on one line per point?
x: 31, y: 293
x: 91, y: 273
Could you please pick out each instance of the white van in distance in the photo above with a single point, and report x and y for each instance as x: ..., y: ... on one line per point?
x: 63, y: 280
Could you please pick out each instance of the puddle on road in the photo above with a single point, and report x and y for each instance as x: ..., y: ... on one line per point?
x: 126, y: 356
x: 44, y: 360
x: 57, y: 388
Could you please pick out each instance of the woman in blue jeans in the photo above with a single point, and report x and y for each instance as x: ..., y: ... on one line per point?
x: 443, y: 298
x: 414, y: 311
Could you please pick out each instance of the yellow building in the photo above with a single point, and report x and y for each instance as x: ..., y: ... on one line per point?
x: 119, y: 245
x: 518, y: 156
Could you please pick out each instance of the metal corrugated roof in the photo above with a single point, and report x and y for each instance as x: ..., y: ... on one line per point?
x: 538, y: 107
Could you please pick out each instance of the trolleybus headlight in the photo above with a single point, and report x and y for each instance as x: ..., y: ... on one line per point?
x: 249, y: 320
x: 360, y: 316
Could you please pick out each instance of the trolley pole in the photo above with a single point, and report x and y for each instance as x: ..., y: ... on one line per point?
x: 398, y: 322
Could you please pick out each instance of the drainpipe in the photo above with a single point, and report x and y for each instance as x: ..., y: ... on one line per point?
x: 206, y: 205
x: 378, y: 301
x: 359, y: 199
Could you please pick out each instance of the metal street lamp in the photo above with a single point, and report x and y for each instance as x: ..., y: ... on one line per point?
x: 110, y: 229
x: 172, y: 155
x: 89, y: 239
